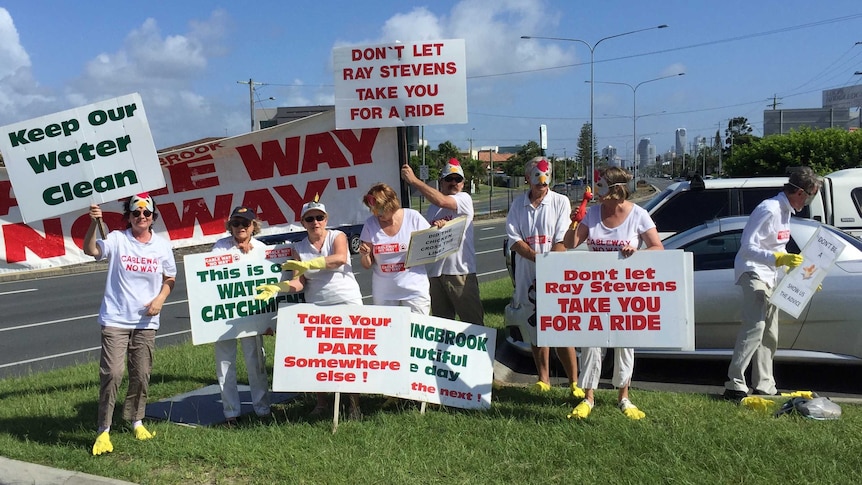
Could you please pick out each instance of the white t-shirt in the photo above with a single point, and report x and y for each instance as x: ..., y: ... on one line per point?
x: 602, y: 238
x: 540, y: 227
x: 136, y: 271
x: 391, y: 280
x: 462, y: 261
x: 327, y: 286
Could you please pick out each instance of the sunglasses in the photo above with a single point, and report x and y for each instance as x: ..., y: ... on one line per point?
x: 317, y: 218
x: 452, y: 178
x: 240, y: 223
x: 809, y: 194
x: 137, y: 213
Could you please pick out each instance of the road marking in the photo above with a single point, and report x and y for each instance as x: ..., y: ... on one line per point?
x: 66, y: 354
x: 70, y: 319
x: 18, y: 291
x: 492, y: 237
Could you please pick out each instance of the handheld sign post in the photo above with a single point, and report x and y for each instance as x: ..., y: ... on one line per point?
x: 66, y: 161
x: 795, y: 290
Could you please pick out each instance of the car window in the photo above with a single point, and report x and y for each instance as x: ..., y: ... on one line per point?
x: 856, y: 196
x: 715, y: 252
x: 691, y: 208
x: 750, y: 197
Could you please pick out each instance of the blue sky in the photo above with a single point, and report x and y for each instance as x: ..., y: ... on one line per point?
x: 185, y: 59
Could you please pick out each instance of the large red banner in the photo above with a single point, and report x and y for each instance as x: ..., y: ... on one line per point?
x: 274, y: 171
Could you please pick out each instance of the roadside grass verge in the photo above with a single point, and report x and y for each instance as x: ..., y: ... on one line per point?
x: 525, y: 437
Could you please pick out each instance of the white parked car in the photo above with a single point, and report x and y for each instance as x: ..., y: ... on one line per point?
x: 828, y: 330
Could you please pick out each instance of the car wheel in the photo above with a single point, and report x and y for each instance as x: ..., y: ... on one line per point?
x: 354, y: 243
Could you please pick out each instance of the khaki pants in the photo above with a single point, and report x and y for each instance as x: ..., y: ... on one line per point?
x: 757, y: 339
x: 117, y: 344
x: 451, y: 294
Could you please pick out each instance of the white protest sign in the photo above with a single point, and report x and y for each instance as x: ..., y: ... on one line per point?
x: 221, y: 291
x: 400, y: 84
x: 451, y: 363
x: 600, y: 299
x: 795, y: 290
x: 383, y: 350
x: 66, y: 161
x: 433, y: 244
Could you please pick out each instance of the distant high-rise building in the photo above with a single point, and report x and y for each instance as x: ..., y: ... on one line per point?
x: 609, y: 152
x: 680, y: 142
x: 646, y: 153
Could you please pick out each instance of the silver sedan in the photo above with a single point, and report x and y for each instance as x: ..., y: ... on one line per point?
x: 829, y: 329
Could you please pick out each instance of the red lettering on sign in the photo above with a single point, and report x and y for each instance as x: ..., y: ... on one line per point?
x: 6, y: 199
x: 19, y: 237
x: 189, y: 176
x: 182, y: 227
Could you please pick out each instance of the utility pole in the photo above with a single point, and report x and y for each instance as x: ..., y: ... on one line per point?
x: 774, y: 103
x: 251, y: 85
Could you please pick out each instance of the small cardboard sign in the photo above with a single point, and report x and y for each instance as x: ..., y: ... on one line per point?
x: 795, y: 290
x: 433, y: 244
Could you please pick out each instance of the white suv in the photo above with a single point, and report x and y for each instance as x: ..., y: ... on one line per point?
x: 683, y: 205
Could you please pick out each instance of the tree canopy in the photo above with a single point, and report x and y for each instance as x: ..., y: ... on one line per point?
x: 825, y: 151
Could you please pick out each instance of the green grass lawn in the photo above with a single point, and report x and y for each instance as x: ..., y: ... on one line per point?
x: 49, y: 418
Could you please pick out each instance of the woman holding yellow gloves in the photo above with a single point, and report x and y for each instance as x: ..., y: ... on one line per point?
x: 323, y: 271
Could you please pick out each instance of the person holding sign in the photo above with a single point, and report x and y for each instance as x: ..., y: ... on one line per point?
x: 323, y: 271
x: 141, y: 275
x: 536, y: 224
x: 762, y: 249
x: 615, y: 224
x: 454, y: 287
x: 242, y: 225
x: 385, y: 239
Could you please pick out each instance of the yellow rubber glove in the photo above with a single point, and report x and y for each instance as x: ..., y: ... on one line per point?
x: 630, y: 410
x: 103, y: 444
x: 757, y: 403
x: 299, y: 267
x: 806, y: 394
x: 581, y: 411
x: 142, y: 434
x: 787, y: 259
x: 541, y: 386
x: 577, y: 392
x: 265, y: 292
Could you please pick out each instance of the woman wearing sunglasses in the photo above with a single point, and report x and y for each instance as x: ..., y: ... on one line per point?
x: 241, y: 225
x: 141, y: 275
x: 322, y: 270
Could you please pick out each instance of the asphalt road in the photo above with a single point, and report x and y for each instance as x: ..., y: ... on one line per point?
x: 50, y: 322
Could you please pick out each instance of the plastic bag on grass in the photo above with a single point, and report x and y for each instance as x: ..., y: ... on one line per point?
x: 819, y: 408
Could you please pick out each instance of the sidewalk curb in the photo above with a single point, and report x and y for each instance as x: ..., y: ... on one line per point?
x: 14, y: 472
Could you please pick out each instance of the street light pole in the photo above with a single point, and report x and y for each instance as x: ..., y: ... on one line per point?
x: 635, y: 113
x: 592, y: 49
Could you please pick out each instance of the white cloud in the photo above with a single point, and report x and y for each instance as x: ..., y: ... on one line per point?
x: 19, y: 92
x: 162, y: 68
